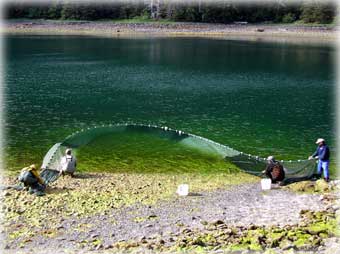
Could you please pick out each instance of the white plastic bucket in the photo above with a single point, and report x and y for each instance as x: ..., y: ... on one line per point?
x: 266, y: 184
x: 183, y: 190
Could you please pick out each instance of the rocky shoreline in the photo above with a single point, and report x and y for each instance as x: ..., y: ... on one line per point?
x: 240, y: 218
x: 286, y: 33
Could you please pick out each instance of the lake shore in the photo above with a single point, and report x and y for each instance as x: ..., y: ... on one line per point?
x: 105, y: 213
x: 262, y: 32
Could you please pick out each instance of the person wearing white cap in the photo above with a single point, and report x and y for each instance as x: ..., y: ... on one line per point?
x: 68, y: 163
x: 274, y: 171
x: 322, y: 153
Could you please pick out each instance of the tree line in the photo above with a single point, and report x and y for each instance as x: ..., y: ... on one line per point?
x: 199, y: 11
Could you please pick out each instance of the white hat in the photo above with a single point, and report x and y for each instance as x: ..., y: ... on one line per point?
x: 270, y: 158
x: 319, y: 140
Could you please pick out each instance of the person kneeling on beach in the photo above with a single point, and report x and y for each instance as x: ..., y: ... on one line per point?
x: 274, y: 170
x: 30, y: 177
x: 68, y: 163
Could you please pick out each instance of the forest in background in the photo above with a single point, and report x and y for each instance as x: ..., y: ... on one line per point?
x: 321, y: 12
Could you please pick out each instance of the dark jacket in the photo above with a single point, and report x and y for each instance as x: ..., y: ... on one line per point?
x: 322, y: 152
x: 269, y: 170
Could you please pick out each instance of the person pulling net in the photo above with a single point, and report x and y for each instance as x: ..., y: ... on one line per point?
x: 32, y: 181
x: 294, y: 171
x: 66, y: 165
x: 274, y: 171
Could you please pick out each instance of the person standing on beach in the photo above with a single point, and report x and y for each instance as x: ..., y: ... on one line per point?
x: 68, y: 163
x: 322, y: 153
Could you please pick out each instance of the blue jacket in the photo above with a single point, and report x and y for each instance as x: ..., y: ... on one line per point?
x: 322, y: 152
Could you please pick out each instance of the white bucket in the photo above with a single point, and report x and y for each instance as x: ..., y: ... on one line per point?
x: 266, y: 184
x: 183, y: 190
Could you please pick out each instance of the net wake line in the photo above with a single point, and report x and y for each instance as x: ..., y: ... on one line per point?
x: 295, y: 169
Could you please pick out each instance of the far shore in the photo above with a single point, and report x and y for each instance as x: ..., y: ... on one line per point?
x: 254, y: 32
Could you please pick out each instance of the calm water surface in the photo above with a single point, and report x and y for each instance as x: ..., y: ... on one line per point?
x: 259, y: 98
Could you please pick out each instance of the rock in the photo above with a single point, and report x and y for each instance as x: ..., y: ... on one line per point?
x: 186, y: 231
x: 317, y: 230
x: 108, y: 246
x: 149, y: 246
x: 143, y: 240
x: 252, y: 227
x: 321, y: 185
x: 336, y: 207
x: 99, y: 246
x: 7, y: 194
x: 203, y: 222
x: 218, y: 222
x: 152, y: 216
x: 286, y: 245
x: 21, y: 211
x: 228, y: 231
x: 199, y: 242
x: 172, y: 239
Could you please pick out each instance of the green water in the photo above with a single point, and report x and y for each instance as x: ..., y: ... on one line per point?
x: 259, y: 98
x: 126, y: 152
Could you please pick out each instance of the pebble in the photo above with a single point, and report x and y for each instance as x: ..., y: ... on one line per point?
x: 7, y: 194
x: 99, y: 246
x: 109, y: 246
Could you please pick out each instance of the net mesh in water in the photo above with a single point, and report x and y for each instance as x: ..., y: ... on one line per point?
x: 294, y: 170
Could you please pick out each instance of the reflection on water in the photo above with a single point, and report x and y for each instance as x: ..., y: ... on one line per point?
x: 260, y: 98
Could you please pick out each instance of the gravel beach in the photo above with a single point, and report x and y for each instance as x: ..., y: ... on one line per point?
x: 161, y: 225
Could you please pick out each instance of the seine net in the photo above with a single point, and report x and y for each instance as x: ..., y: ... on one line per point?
x: 294, y: 170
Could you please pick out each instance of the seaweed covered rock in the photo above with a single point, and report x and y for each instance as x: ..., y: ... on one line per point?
x: 322, y: 186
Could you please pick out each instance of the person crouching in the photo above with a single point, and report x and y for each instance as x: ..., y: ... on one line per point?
x: 68, y: 163
x: 274, y: 170
x: 31, y: 179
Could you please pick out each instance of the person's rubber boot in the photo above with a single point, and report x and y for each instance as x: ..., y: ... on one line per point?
x: 19, y: 187
x: 327, y: 179
x: 316, y: 177
x: 39, y: 193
